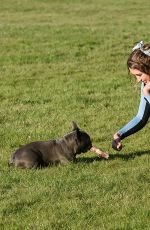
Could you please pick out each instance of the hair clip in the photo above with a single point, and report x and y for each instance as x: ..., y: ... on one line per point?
x: 139, y: 45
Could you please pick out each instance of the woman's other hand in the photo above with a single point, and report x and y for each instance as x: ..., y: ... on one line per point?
x: 146, y: 89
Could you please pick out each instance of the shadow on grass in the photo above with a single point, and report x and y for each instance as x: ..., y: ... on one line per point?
x: 125, y: 157
x: 129, y: 156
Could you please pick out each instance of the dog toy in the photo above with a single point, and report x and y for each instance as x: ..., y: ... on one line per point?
x: 99, y: 152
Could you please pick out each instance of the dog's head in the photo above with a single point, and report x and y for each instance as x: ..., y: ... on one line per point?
x: 83, y: 140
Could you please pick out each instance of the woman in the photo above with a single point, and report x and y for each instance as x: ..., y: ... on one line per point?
x: 138, y: 65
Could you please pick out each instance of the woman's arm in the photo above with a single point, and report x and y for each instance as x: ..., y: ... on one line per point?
x: 137, y: 123
x: 140, y: 120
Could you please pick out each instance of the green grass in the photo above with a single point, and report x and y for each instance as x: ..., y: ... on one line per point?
x: 60, y: 61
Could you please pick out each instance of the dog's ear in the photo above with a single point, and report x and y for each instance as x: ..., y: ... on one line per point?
x: 74, y: 126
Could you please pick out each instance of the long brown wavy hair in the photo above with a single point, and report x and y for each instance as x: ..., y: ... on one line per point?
x: 139, y: 60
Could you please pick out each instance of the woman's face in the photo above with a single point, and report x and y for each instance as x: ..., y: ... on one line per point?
x: 140, y: 76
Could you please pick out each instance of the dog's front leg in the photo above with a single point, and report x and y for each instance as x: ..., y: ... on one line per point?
x: 99, y: 152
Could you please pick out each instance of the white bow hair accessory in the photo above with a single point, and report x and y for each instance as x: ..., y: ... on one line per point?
x: 139, y: 45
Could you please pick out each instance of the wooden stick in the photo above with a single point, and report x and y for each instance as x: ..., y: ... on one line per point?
x: 99, y: 152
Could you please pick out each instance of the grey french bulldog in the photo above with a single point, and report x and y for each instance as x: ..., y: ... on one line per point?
x: 43, y: 153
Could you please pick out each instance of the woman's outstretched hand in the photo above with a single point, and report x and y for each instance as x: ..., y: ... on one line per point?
x: 116, y: 143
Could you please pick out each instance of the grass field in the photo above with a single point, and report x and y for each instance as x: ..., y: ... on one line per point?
x: 60, y: 61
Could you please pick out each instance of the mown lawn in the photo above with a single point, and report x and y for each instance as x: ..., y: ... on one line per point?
x: 60, y: 61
